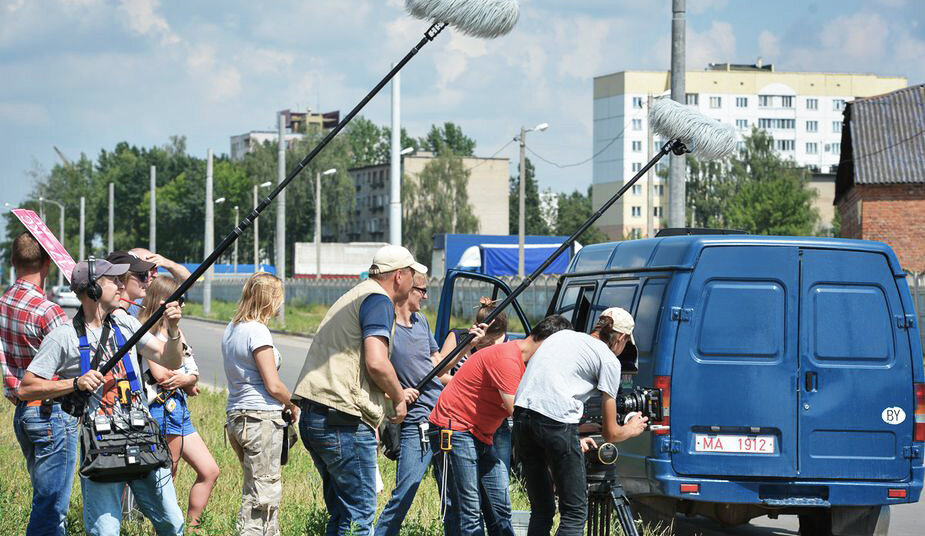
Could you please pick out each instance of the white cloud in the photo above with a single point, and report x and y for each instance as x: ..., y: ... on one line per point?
x: 768, y: 45
x: 700, y: 6
x: 859, y: 36
x: 718, y: 44
x: 142, y: 18
x: 584, y: 41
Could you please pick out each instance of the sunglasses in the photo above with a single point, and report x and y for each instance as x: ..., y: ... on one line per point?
x: 422, y: 290
x: 142, y: 277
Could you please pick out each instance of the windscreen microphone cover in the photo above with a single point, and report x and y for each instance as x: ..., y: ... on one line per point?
x: 707, y: 138
x: 479, y: 18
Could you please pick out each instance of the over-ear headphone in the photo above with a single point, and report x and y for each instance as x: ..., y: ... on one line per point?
x: 94, y: 292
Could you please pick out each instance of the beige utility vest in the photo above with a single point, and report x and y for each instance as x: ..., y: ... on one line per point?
x: 334, y: 373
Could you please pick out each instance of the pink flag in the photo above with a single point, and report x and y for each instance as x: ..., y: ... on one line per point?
x: 43, y: 234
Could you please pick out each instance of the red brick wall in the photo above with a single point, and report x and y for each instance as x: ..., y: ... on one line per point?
x: 894, y: 214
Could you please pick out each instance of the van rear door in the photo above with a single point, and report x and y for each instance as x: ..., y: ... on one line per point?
x: 734, y: 400
x: 857, y: 401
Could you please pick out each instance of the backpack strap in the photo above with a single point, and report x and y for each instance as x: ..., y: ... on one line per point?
x: 127, y: 360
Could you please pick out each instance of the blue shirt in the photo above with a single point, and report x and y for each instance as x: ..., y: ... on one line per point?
x: 411, y: 351
x: 377, y: 315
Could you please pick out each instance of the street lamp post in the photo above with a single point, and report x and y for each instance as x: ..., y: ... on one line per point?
x: 209, y: 238
x: 235, y: 254
x: 83, y: 208
x: 61, y: 231
x: 318, y: 219
x: 521, y: 221
x: 256, y: 228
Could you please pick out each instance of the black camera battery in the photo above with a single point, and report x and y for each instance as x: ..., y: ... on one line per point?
x: 137, y: 418
x: 131, y: 455
x: 102, y: 424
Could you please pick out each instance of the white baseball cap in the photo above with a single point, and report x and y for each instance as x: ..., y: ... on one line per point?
x: 390, y: 258
x: 623, y: 323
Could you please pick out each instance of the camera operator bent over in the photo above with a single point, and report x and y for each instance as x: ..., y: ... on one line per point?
x: 562, y: 375
x: 100, y: 290
x: 471, y: 408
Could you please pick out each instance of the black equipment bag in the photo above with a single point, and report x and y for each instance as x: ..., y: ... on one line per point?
x: 390, y: 440
x: 125, y: 452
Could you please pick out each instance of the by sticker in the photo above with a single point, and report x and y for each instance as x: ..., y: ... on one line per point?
x: 894, y: 415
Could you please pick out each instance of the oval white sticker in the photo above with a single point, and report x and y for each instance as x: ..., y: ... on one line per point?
x: 893, y: 415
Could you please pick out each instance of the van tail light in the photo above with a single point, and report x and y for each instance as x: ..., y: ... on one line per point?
x: 894, y: 493
x: 919, y: 412
x: 664, y: 383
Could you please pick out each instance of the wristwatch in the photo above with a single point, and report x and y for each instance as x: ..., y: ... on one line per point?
x: 76, y: 387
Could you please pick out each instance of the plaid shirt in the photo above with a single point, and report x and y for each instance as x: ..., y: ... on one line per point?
x: 26, y: 316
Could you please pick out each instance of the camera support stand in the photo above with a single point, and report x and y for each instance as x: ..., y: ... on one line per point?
x: 605, y: 497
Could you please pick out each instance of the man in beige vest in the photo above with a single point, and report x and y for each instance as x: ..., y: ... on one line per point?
x: 343, y: 386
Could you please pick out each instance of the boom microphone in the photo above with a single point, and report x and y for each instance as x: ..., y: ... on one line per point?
x: 686, y: 130
x: 486, y: 18
x: 483, y: 18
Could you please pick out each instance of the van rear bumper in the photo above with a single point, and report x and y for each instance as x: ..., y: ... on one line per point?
x: 784, y: 492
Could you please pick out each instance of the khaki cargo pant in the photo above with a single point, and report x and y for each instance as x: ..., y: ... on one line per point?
x: 257, y: 439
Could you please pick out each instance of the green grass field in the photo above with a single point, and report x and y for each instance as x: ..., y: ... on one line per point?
x: 302, y: 511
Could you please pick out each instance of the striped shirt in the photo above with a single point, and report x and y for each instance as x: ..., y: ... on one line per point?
x: 26, y: 316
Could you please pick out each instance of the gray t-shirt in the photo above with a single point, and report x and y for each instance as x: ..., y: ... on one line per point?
x: 564, y: 372
x: 246, y: 389
x: 60, y: 351
x: 411, y: 351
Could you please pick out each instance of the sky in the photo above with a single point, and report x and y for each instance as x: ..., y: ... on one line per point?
x: 84, y: 75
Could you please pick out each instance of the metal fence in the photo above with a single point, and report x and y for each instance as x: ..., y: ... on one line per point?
x: 467, y: 292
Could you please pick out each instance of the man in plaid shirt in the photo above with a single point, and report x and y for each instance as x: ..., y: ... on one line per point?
x: 47, y: 435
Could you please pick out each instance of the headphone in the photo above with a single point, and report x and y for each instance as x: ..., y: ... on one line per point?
x: 94, y: 292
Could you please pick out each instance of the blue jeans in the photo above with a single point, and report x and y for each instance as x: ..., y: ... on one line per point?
x: 49, y: 444
x: 502, y: 443
x: 154, y: 494
x: 346, y: 459
x: 477, y: 482
x: 413, y: 463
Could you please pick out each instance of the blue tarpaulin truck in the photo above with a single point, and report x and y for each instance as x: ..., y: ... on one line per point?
x: 791, y: 369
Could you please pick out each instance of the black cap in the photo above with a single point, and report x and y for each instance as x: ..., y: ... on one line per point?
x: 135, y: 264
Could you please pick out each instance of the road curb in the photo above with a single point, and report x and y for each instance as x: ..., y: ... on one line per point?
x: 225, y: 323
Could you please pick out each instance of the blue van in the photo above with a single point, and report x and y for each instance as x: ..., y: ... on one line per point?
x: 792, y: 373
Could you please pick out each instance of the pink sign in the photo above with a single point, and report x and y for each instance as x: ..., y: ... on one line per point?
x: 43, y: 234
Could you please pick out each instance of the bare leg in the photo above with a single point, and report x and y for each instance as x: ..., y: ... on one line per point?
x: 200, y: 459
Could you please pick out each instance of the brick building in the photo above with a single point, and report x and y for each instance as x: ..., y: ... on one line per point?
x: 880, y: 184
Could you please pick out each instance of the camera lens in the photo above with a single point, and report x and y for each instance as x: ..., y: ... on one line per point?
x: 607, y: 453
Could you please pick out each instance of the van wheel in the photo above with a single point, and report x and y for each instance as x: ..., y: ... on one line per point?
x: 816, y: 523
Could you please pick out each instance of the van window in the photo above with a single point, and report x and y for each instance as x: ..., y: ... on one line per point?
x: 742, y: 319
x: 615, y: 294
x: 851, y: 323
x: 647, y: 313
x: 576, y: 305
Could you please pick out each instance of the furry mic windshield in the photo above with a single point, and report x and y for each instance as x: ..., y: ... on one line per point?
x: 480, y: 18
x: 705, y: 137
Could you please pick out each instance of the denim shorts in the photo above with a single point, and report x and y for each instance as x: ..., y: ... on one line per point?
x: 176, y: 422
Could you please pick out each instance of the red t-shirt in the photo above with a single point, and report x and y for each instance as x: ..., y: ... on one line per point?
x: 471, y: 401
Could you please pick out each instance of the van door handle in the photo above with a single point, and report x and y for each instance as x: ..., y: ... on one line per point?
x: 812, y: 382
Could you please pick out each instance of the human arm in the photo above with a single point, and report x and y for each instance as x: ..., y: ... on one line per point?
x: 36, y: 388
x: 266, y: 365
x: 169, y: 353
x: 507, y: 401
x: 379, y: 367
x: 177, y: 270
x: 612, y: 430
x: 449, y: 344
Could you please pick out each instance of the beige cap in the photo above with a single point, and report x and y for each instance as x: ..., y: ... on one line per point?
x: 390, y: 258
x: 623, y: 323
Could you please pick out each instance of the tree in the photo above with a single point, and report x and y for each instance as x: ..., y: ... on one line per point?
x: 572, y: 211
x: 755, y: 190
x: 436, y: 202
x: 534, y: 224
x: 449, y: 138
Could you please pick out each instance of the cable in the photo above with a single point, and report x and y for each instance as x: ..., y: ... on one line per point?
x: 592, y: 157
x: 886, y: 148
x: 485, y: 160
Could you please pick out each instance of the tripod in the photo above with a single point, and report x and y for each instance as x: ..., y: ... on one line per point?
x: 606, y: 496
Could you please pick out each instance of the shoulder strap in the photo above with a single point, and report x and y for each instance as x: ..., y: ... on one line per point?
x: 127, y: 360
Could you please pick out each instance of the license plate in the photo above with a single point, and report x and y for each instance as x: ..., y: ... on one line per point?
x: 737, y: 444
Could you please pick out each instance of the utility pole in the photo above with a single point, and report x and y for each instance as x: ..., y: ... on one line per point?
x: 209, y: 237
x: 318, y: 219
x: 235, y: 255
x: 395, y: 165
x: 83, y: 208
x: 112, y: 200
x: 281, y: 213
x: 650, y: 195
x: 676, y: 165
x: 152, y: 224
x: 256, y: 236
x: 521, y: 222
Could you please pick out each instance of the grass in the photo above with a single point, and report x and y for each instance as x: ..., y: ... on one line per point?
x: 300, y: 319
x: 302, y: 511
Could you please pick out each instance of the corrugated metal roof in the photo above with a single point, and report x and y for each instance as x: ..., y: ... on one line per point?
x: 888, y: 137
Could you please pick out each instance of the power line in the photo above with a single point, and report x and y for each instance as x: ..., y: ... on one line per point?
x: 592, y: 157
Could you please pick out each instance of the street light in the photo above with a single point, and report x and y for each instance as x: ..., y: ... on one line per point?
x: 235, y: 255
x: 61, y: 222
x: 407, y: 151
x: 523, y: 188
x: 318, y: 219
x: 219, y: 201
x: 395, y: 215
x: 256, y: 228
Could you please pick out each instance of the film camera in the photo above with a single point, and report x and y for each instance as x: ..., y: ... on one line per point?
x: 644, y: 400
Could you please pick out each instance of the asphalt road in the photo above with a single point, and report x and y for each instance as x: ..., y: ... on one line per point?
x: 206, y: 337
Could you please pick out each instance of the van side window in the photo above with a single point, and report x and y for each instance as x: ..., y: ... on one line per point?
x: 616, y: 294
x: 576, y: 305
x: 647, y: 313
